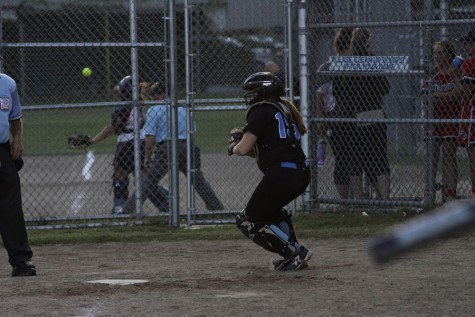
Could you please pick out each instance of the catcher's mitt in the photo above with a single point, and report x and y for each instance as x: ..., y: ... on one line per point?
x: 235, y: 135
x: 79, y: 141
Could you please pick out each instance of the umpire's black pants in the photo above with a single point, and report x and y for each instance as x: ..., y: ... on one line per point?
x: 160, y: 167
x: 12, y: 222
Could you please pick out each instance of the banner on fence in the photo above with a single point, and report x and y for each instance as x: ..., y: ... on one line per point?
x: 369, y: 63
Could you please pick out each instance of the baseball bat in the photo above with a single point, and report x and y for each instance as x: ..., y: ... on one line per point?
x: 447, y: 219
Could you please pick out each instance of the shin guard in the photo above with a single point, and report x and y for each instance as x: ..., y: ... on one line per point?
x: 270, y: 237
x: 121, y: 189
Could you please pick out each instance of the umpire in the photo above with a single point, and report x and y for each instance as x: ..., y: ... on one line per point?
x: 157, y: 142
x: 12, y: 222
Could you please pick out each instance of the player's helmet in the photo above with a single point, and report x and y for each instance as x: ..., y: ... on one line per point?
x: 262, y: 86
x: 125, y: 88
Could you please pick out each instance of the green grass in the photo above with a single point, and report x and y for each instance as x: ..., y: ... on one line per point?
x: 308, y: 226
x: 45, y: 131
x: 213, y: 129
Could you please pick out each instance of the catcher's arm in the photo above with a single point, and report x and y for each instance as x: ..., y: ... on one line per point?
x: 246, y: 145
x: 105, y: 133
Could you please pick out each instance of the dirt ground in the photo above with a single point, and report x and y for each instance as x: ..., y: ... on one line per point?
x: 234, y: 278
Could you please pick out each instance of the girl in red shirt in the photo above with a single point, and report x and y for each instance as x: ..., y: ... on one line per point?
x: 445, y: 134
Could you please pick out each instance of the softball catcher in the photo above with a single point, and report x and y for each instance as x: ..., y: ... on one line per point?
x: 122, y: 119
x: 272, y: 135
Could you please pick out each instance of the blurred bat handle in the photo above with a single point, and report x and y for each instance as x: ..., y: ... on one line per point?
x: 451, y: 217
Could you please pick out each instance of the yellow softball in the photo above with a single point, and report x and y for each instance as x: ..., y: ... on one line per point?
x: 86, y: 72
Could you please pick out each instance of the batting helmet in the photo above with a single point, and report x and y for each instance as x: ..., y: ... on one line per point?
x: 262, y: 86
x: 125, y: 88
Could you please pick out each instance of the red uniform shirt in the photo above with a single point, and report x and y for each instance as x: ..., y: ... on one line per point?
x: 467, y: 130
x: 444, y: 82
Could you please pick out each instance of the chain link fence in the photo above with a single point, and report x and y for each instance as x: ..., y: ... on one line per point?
x: 383, y: 138
x: 46, y: 44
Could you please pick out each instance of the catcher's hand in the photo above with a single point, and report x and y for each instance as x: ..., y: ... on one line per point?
x: 79, y: 141
x: 235, y: 136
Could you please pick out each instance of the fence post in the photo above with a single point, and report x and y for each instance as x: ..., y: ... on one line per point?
x: 303, y: 71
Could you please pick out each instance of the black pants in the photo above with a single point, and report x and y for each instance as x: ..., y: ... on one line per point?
x: 279, y: 186
x: 12, y: 222
x: 342, y: 148
x: 371, y: 151
x: 160, y: 167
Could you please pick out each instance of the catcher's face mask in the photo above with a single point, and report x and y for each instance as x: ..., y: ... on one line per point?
x: 251, y: 97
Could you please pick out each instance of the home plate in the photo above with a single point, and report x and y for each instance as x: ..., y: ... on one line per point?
x: 118, y: 282
x: 241, y: 295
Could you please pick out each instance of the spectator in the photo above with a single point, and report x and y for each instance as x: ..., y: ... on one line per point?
x: 274, y: 69
x: 122, y: 124
x: 12, y: 222
x: 446, y: 78
x: 337, y: 133
x: 467, y: 92
x: 360, y: 96
x: 157, y: 132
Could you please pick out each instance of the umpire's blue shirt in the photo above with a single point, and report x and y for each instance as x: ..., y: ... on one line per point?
x: 10, y: 108
x: 158, y: 123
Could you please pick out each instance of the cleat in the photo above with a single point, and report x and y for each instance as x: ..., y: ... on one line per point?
x: 118, y: 210
x: 25, y: 268
x: 298, y: 262
x: 277, y: 263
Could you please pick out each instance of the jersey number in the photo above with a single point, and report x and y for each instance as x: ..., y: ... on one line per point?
x: 284, y: 130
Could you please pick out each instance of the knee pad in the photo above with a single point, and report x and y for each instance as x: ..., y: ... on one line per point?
x: 270, y: 237
x: 121, y: 188
x: 244, y: 225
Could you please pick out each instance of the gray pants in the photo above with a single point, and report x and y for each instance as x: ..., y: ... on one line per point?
x: 159, y: 167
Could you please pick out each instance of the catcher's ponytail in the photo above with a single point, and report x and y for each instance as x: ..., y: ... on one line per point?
x: 296, y: 116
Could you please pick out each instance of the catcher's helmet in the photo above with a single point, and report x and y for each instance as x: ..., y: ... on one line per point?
x: 262, y: 86
x: 125, y: 88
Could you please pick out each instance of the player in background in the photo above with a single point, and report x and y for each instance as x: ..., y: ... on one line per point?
x: 12, y: 222
x: 275, y: 126
x: 446, y: 78
x: 122, y: 124
x: 467, y: 91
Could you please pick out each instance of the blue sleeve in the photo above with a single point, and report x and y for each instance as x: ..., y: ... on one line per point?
x: 151, y: 122
x: 16, y: 112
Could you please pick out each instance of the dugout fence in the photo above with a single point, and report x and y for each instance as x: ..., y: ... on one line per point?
x: 407, y: 29
x: 203, y: 50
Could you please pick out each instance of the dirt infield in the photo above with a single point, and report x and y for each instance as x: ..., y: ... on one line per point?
x: 233, y: 278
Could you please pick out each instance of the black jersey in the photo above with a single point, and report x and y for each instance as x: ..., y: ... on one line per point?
x: 278, y: 137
